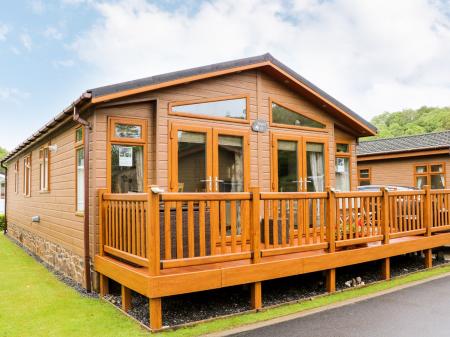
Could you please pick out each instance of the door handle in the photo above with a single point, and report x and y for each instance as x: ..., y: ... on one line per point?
x: 299, y: 182
x: 209, y: 181
x: 216, y: 183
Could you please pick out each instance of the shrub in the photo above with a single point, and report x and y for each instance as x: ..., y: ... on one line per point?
x: 2, y: 222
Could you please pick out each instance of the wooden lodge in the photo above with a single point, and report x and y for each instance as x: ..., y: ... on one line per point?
x: 414, y: 161
x: 228, y: 174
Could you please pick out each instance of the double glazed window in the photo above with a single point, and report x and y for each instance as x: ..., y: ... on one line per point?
x: 27, y: 176
x: 364, y: 176
x: 283, y: 116
x: 235, y: 108
x: 342, y: 166
x: 44, y: 169
x: 128, y: 156
x: 430, y: 174
x: 79, y: 171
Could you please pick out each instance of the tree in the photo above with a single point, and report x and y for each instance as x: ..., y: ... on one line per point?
x: 411, y: 122
x: 3, y: 153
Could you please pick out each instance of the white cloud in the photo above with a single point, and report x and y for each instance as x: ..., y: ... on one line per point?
x: 25, y: 38
x: 13, y: 95
x: 4, y: 30
x: 53, y: 33
x: 37, y: 6
x: 64, y: 63
x: 371, y: 55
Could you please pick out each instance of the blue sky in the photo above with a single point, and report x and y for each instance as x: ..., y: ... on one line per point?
x: 374, y: 56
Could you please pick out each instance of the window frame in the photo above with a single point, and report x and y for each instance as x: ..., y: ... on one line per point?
x: 112, y: 140
x: 428, y: 173
x: 27, y: 160
x: 296, y: 110
x: 16, y: 176
x: 210, y: 100
x: 345, y: 155
x: 78, y: 145
x: 369, y: 179
x: 42, y: 163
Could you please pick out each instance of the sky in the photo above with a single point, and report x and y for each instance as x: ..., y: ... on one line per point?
x: 373, y: 56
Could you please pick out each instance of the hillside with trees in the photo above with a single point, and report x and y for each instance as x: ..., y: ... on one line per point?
x: 411, y: 122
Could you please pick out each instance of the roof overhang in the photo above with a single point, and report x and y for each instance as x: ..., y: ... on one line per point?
x: 444, y: 150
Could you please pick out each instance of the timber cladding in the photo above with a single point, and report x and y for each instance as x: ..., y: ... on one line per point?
x: 401, y: 171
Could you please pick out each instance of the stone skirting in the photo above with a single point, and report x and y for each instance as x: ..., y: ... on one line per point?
x: 60, y: 258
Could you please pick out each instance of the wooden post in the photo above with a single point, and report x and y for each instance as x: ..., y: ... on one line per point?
x: 155, y: 313
x: 256, y: 296
x: 428, y: 219
x: 126, y: 298
x: 331, y: 236
x: 101, y: 214
x: 331, y: 280
x: 386, y: 268
x: 385, y: 215
x: 104, y: 285
x: 255, y: 232
x: 153, y: 235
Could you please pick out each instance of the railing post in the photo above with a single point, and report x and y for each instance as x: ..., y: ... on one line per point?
x: 385, y: 215
x: 153, y: 235
x: 428, y: 219
x: 331, y: 236
x: 255, y: 240
x: 101, y: 214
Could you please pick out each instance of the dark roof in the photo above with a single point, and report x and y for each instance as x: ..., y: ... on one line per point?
x: 426, y: 141
x: 152, y: 80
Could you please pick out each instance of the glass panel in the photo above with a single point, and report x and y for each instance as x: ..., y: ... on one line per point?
x: 79, y: 135
x: 287, y: 166
x: 281, y: 115
x: 191, y: 162
x: 231, y: 164
x: 421, y: 181
x: 437, y: 168
x: 364, y: 173
x: 342, y: 148
x: 421, y: 169
x: 127, y: 169
x: 343, y: 174
x: 128, y: 131
x: 231, y: 108
x: 364, y: 182
x: 437, y: 181
x: 80, y: 180
x: 315, y: 167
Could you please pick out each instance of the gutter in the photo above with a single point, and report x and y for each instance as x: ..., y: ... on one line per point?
x: 87, y: 128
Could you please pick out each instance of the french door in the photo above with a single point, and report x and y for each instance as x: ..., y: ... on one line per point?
x: 205, y: 159
x: 299, y: 163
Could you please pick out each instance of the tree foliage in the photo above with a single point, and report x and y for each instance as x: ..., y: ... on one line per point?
x: 411, y: 122
x: 3, y: 153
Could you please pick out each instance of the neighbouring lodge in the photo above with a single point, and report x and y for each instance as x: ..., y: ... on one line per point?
x: 412, y: 161
x: 222, y: 175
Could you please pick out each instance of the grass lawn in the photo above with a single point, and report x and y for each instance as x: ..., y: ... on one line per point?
x: 34, y: 303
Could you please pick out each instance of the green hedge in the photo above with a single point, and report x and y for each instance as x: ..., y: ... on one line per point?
x: 2, y: 222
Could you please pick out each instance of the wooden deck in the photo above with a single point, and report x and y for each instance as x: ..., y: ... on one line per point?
x: 164, y: 244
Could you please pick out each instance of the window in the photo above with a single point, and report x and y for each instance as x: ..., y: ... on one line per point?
x: 44, y: 154
x: 16, y: 177
x: 127, y: 153
x: 342, y: 167
x: 430, y: 174
x: 285, y: 116
x: 219, y: 108
x: 2, y: 190
x: 27, y: 176
x: 79, y: 169
x: 364, y: 176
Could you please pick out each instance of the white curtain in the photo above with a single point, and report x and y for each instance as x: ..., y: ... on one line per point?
x: 317, y: 170
x: 139, y: 157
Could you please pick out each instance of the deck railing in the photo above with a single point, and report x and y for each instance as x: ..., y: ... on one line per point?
x: 169, y: 230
